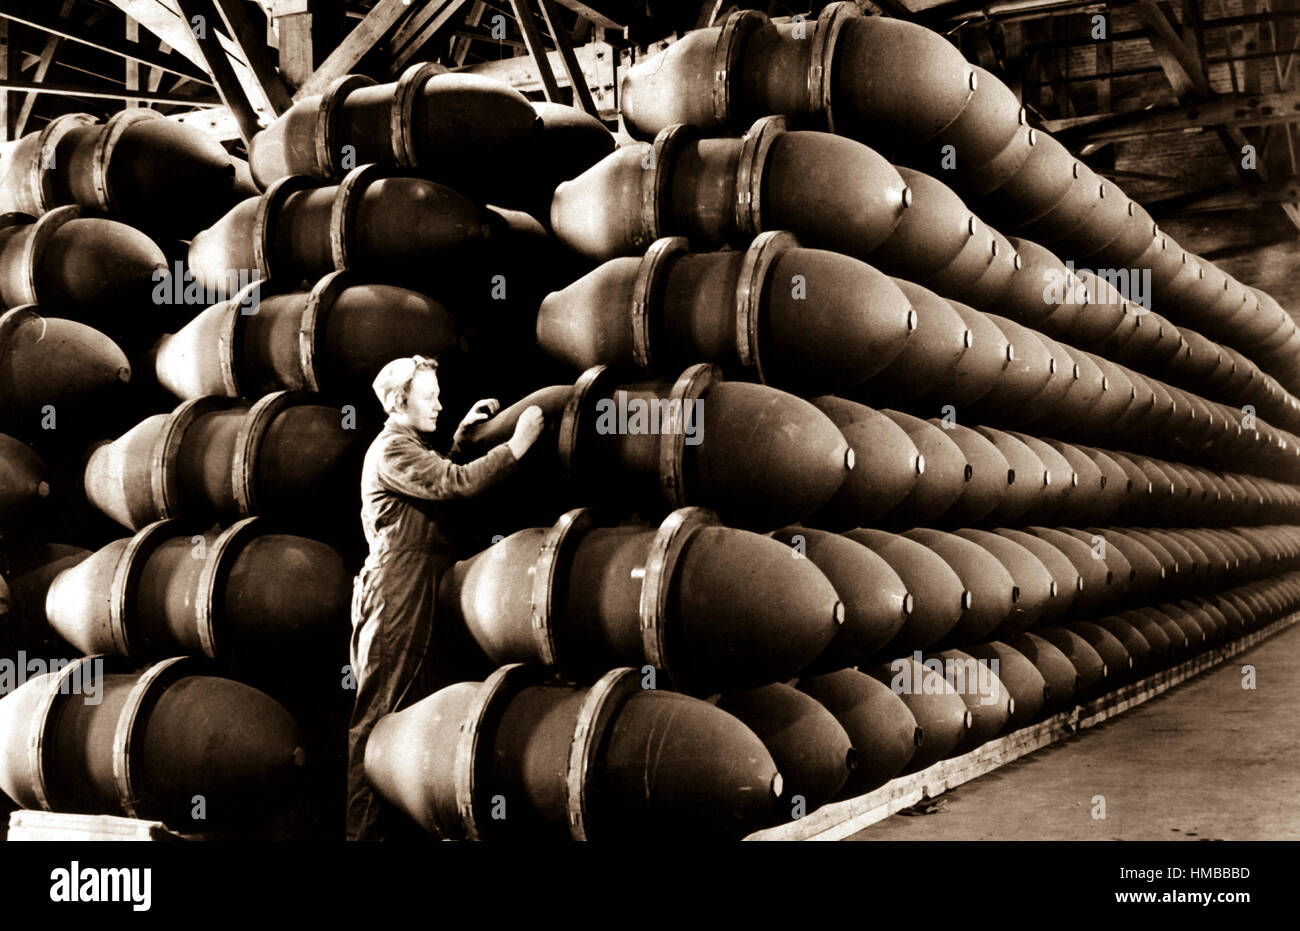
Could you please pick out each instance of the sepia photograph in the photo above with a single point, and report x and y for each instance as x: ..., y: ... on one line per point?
x: 695, y: 424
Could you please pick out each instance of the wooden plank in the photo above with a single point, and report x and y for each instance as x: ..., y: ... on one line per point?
x: 123, y: 49
x: 1223, y: 110
x: 252, y: 43
x: 528, y: 26
x: 460, y: 47
x: 417, y: 31
x: 1181, y: 65
x: 58, y: 826
x: 577, y: 81
x: 599, y: 13
x: 598, y: 60
x: 368, y: 33
x: 108, y: 93
x: 132, y: 67
x: 843, y: 819
x: 223, y: 74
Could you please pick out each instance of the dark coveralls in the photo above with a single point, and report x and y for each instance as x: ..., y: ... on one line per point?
x: 402, y: 481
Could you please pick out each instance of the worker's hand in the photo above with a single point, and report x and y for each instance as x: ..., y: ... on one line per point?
x: 480, y: 412
x: 527, y: 429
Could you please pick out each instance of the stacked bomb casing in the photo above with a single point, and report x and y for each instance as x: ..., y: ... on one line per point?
x: 153, y: 173
x: 846, y: 72
x: 145, y: 744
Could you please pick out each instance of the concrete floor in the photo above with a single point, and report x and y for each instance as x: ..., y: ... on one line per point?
x: 1206, y: 760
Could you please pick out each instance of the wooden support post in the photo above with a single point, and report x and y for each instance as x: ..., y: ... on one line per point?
x: 132, y: 67
x: 577, y: 80
x: 203, y: 19
x: 250, y: 37
x: 52, y: 43
x: 417, y: 30
x: 528, y: 26
x: 378, y: 24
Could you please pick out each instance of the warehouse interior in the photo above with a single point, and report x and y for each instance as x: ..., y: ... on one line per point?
x: 895, y: 421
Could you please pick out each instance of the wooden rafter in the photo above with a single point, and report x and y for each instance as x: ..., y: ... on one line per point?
x: 223, y: 74
x: 533, y: 39
x: 377, y: 25
x: 577, y: 80
x: 123, y: 49
x: 234, y: 15
x: 108, y: 93
x: 1222, y: 110
x: 417, y: 31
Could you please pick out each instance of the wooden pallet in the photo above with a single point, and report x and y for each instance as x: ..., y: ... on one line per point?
x: 842, y: 819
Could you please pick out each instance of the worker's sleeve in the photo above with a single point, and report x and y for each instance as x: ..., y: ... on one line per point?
x: 407, y: 468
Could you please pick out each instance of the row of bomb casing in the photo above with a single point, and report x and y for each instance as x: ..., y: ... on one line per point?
x: 859, y: 77
x: 841, y: 325
x: 828, y: 462
x: 516, y: 757
x: 725, y: 191
x: 459, y: 129
x: 713, y: 607
x: 171, y: 743
x: 155, y: 174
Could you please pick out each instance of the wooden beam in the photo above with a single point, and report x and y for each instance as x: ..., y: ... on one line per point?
x: 414, y: 33
x: 577, y: 80
x: 1181, y: 65
x: 52, y: 43
x: 108, y: 93
x: 1222, y: 110
x: 460, y: 47
x: 219, y: 66
x: 1228, y: 197
x: 378, y: 24
x: 528, y: 26
x: 123, y: 49
x: 598, y: 12
x: 252, y: 43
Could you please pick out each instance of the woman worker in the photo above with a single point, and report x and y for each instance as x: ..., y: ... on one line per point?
x: 403, y: 482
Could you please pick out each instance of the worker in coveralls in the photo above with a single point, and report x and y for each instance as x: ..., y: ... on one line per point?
x: 403, y: 482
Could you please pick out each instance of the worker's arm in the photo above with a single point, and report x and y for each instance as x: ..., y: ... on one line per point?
x: 407, y: 468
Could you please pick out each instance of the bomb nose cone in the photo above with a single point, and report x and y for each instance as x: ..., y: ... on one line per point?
x: 874, y: 597
x: 675, y: 761
x: 812, y: 751
x: 853, y: 219
x: 42, y: 359
x: 1088, y: 664
x: 746, y: 606
x: 938, y: 709
x: 987, y: 700
x: 876, y: 720
x: 887, y: 465
x: 936, y: 590
x: 799, y: 464
x: 22, y: 481
x: 1023, y: 682
x: 1058, y: 672
x: 1035, y: 588
x: 95, y: 263
x: 1120, y: 663
x: 944, y: 479
x: 991, y: 587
